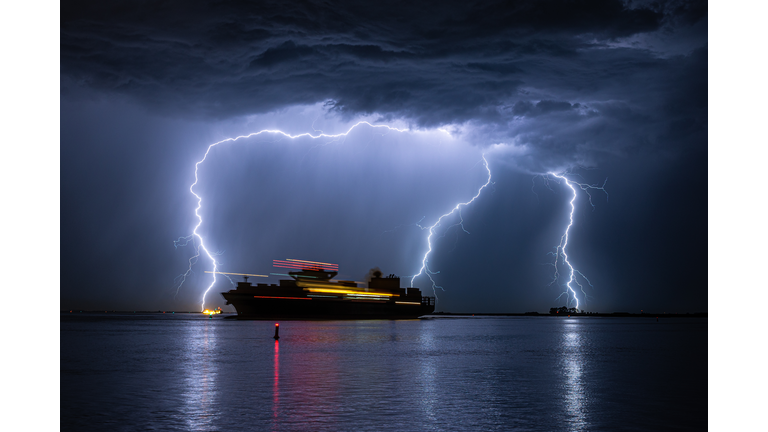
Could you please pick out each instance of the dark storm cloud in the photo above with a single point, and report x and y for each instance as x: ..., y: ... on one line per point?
x: 527, y: 108
x: 146, y: 86
x: 492, y: 64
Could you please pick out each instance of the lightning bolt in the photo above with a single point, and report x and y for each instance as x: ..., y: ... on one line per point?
x: 564, y: 239
x: 180, y: 279
x: 200, y: 244
x: 424, y: 261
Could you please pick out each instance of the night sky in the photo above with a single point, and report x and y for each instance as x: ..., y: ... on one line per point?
x: 602, y: 89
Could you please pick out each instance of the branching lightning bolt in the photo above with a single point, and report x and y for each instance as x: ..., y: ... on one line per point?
x: 183, y: 241
x: 424, y: 261
x: 564, y: 239
x: 200, y: 244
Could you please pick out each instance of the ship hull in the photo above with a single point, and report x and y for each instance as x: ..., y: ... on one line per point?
x: 253, y: 307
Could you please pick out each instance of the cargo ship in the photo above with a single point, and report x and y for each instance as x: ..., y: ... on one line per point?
x: 311, y: 294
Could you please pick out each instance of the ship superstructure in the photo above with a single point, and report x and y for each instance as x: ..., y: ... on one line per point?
x: 312, y: 294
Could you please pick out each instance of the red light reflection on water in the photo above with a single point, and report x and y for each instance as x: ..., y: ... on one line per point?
x: 275, y: 385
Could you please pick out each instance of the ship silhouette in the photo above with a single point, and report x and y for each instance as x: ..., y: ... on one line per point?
x: 311, y: 294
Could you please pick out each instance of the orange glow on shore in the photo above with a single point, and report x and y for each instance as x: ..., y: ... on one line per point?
x: 211, y: 312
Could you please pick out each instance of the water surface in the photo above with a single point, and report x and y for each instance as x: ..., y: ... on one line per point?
x: 187, y: 372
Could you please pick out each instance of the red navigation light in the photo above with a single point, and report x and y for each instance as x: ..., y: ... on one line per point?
x: 277, y: 325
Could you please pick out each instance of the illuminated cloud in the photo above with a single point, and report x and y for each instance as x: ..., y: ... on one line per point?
x: 577, y: 67
x: 538, y: 86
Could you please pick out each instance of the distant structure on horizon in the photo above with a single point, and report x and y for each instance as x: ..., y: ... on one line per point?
x: 565, y: 310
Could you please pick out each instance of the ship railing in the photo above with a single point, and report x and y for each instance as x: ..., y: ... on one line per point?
x: 427, y: 301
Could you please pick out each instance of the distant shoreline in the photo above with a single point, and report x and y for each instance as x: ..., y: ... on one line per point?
x: 584, y: 314
x: 446, y: 314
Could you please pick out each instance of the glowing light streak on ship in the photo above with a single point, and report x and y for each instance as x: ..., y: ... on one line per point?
x: 305, y: 264
x: 301, y: 266
x: 298, y: 267
x: 237, y: 274
x: 285, y: 274
x: 312, y: 262
x: 344, y: 291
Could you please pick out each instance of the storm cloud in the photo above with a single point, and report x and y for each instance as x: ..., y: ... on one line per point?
x: 502, y: 67
x: 603, y: 88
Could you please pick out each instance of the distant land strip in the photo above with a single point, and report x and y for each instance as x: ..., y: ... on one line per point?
x: 449, y: 314
x: 580, y: 314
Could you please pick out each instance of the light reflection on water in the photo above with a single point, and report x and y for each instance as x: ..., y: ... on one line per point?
x: 201, y: 392
x: 427, y: 377
x: 276, y: 386
x: 134, y: 373
x: 573, y: 362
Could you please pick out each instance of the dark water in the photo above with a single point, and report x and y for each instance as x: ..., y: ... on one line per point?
x: 183, y: 372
